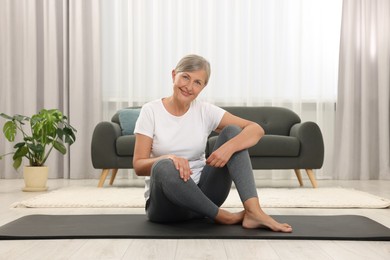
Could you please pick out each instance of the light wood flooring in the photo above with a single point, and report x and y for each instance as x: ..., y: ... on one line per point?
x: 10, y: 191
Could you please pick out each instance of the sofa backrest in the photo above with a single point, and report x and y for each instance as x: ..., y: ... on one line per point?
x: 274, y: 120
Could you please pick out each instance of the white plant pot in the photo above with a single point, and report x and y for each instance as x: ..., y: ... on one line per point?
x: 35, y: 178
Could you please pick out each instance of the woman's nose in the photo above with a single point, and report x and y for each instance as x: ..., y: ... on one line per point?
x: 190, y: 85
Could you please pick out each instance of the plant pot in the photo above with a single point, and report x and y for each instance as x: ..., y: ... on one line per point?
x: 35, y: 178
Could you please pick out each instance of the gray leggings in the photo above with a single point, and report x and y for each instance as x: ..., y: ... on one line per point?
x: 171, y: 199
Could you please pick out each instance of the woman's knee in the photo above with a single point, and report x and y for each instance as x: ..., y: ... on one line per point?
x: 162, y: 166
x: 230, y: 131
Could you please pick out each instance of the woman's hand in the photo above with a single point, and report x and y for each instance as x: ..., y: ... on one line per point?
x: 183, y: 166
x: 220, y: 157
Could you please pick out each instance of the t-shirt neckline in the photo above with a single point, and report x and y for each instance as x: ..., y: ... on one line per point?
x: 178, y: 117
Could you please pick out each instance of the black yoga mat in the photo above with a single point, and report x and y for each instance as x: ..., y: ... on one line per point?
x: 343, y: 227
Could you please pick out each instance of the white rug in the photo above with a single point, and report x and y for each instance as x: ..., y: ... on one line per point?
x: 114, y: 197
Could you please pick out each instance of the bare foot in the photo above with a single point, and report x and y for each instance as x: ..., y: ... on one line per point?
x: 228, y: 218
x: 263, y: 220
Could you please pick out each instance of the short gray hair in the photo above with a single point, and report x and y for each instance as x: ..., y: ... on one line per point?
x: 194, y: 62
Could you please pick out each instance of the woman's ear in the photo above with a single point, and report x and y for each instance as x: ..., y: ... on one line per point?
x: 173, y: 75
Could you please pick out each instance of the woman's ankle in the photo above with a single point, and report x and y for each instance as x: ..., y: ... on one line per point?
x: 227, y: 218
x: 252, y: 206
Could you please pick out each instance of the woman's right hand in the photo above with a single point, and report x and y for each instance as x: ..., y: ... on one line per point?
x: 182, y: 165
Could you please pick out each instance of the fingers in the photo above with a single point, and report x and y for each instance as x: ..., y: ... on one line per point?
x: 217, y: 160
x: 183, y: 166
x: 184, y: 171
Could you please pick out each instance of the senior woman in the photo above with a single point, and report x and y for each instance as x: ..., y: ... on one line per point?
x: 171, y: 136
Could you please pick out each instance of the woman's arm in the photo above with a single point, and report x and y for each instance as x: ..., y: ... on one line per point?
x: 142, y: 162
x: 248, y: 137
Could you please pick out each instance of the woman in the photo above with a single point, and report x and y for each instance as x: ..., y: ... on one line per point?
x: 171, y: 136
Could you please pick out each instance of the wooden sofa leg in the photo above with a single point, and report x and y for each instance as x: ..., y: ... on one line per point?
x: 299, y: 176
x: 113, y: 174
x: 103, y: 177
x: 312, y: 177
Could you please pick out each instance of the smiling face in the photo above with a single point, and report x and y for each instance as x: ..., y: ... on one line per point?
x: 188, y: 85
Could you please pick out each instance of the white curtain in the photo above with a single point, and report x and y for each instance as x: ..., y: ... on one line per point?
x: 277, y: 53
x: 90, y: 58
x: 50, y: 61
x: 32, y: 65
x: 84, y: 82
x: 363, y: 107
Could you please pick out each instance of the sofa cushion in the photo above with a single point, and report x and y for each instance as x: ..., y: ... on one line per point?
x: 125, y: 145
x: 127, y: 120
x: 269, y: 145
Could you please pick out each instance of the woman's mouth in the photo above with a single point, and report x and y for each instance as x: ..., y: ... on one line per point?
x: 184, y: 93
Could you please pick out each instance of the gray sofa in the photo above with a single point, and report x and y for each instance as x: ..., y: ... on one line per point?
x: 287, y: 144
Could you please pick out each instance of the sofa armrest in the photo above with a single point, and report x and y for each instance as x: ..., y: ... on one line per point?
x: 103, y: 150
x: 312, y: 144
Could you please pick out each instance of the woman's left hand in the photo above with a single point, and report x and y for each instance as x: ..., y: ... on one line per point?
x: 220, y: 157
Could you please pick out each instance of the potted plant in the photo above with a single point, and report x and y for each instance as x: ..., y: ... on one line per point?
x: 40, y: 133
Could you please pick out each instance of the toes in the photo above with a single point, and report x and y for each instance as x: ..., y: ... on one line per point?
x: 287, y: 228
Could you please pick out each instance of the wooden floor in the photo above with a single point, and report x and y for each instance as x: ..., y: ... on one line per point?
x: 10, y: 191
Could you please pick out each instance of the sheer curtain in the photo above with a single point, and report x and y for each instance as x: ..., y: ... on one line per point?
x: 363, y: 114
x: 90, y: 58
x: 32, y: 67
x: 276, y: 53
x: 50, y: 61
x: 84, y: 82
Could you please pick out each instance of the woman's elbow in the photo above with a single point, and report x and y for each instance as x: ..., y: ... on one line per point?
x: 136, y: 167
x: 261, y: 131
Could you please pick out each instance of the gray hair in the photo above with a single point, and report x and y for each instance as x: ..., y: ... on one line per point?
x: 194, y: 62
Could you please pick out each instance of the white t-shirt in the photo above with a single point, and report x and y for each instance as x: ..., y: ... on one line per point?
x: 184, y: 136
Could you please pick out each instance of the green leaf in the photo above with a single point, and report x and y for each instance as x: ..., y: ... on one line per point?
x: 70, y: 137
x: 17, y: 162
x: 60, y: 134
x: 36, y: 148
x: 18, y: 145
x: 9, y: 130
x: 21, y: 118
x: 59, y: 147
x: 20, y: 152
x: 28, y: 139
x: 6, y: 116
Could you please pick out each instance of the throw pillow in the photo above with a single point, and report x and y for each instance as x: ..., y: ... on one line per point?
x: 127, y: 119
